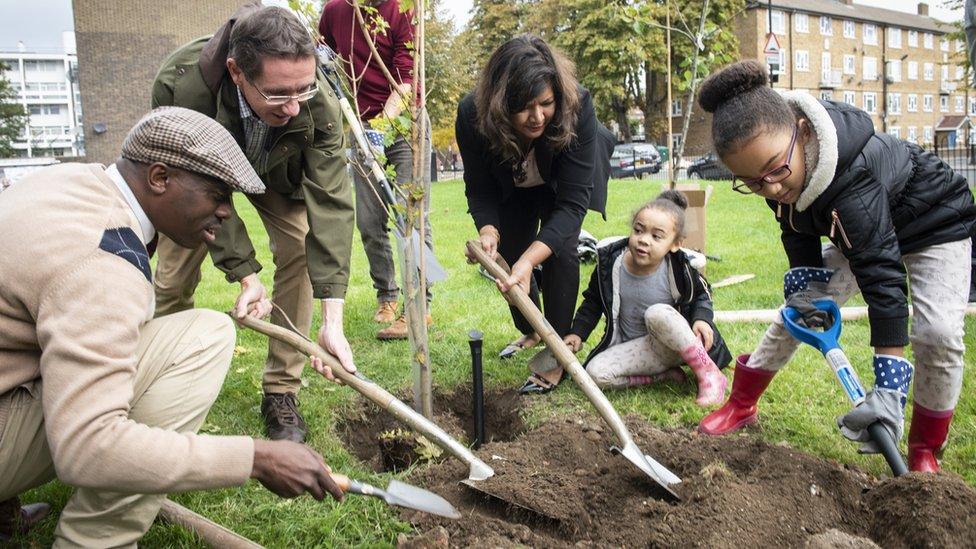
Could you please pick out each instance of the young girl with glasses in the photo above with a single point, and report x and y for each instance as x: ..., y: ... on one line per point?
x: 657, y: 307
x: 894, y: 214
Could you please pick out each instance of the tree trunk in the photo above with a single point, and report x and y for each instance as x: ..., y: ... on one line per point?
x: 415, y: 291
x: 620, y: 113
x: 690, y: 102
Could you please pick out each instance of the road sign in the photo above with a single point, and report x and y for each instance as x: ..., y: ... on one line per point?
x: 772, y: 45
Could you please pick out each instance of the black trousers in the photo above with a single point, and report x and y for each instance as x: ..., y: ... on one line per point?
x: 519, y: 220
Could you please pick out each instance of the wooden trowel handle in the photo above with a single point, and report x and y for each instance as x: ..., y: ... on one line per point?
x: 342, y: 481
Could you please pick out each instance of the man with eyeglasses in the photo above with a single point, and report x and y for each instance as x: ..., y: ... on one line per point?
x: 257, y: 77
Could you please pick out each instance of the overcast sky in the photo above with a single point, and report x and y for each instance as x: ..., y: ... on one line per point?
x: 39, y: 23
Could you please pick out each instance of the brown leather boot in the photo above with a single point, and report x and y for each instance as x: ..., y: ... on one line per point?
x: 386, y: 312
x: 17, y: 520
x: 282, y: 420
x: 398, y: 330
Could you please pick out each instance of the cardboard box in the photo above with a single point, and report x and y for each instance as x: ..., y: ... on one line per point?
x: 695, y: 214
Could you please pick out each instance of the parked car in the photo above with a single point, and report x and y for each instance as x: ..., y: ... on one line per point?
x: 708, y: 167
x: 634, y: 160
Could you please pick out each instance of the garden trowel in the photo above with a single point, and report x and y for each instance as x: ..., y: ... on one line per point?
x: 400, y: 494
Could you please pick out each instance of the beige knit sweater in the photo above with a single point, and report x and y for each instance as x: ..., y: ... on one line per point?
x: 70, y: 313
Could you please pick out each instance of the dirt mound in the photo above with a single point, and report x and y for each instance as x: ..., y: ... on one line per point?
x: 564, y: 488
x: 379, y: 440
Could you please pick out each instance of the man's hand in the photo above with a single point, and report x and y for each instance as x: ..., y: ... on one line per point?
x: 488, y: 237
x: 332, y: 339
x: 704, y: 333
x: 574, y: 342
x: 253, y: 299
x: 290, y: 469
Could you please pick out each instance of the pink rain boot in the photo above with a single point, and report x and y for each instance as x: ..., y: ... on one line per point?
x: 711, y: 382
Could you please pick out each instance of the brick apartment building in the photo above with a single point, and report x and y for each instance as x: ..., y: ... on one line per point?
x: 897, y: 66
x: 120, y: 47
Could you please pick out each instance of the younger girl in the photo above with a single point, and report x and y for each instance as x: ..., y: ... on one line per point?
x: 657, y: 306
x: 888, y: 207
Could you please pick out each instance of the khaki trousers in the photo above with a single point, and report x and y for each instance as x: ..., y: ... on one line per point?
x: 182, y: 360
x: 178, y: 274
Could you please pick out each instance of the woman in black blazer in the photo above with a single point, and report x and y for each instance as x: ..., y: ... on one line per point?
x: 535, y: 159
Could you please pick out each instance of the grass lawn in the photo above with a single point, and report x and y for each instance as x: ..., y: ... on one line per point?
x: 799, y: 408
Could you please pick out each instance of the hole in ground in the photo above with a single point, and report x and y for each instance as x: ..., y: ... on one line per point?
x: 385, y: 444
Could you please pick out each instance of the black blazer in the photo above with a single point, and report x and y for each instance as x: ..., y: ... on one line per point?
x: 577, y: 175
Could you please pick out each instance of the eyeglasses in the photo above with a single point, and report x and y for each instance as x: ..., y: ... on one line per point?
x: 779, y: 173
x: 275, y: 100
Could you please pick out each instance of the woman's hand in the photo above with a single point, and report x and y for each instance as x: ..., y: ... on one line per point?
x: 703, y: 331
x: 520, y: 276
x: 489, y: 238
x: 574, y: 342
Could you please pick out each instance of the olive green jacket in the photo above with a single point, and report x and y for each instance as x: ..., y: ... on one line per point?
x: 306, y: 161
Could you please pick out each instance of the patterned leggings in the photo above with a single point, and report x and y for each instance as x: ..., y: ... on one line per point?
x: 939, y: 278
x: 668, y: 334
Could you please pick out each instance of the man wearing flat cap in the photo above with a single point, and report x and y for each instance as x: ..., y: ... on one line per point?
x: 93, y: 390
x: 257, y: 77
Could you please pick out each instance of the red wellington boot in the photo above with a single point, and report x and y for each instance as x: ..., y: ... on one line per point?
x: 740, y: 410
x: 926, y: 438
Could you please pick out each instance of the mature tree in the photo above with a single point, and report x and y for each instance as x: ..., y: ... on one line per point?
x: 450, y: 68
x: 13, y: 117
x: 494, y: 22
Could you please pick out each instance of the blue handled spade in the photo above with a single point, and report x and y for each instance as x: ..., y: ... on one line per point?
x: 827, y: 342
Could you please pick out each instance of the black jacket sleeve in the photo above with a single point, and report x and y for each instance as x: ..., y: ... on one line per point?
x: 866, y: 235
x: 588, y: 314
x: 573, y: 170
x: 482, y: 191
x: 701, y: 303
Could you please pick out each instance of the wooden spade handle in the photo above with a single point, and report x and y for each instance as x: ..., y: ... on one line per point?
x: 559, y: 349
x: 210, y: 532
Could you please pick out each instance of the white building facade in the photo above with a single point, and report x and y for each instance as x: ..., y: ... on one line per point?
x: 48, y: 90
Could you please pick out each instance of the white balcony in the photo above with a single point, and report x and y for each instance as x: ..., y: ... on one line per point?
x: 947, y: 87
x: 830, y: 78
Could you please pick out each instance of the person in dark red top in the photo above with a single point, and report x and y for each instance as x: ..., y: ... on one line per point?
x: 379, y: 103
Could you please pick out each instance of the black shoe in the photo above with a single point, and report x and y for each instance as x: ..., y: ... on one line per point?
x: 282, y: 420
x: 15, y: 519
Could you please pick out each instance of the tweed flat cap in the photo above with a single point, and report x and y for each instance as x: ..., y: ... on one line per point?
x: 186, y: 139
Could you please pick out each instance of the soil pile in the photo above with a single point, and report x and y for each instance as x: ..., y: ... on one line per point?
x: 563, y: 488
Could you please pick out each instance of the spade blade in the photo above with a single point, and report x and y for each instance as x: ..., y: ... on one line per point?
x: 412, y: 497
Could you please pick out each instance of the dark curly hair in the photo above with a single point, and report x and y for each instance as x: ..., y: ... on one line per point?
x: 671, y: 202
x: 518, y: 72
x: 742, y: 104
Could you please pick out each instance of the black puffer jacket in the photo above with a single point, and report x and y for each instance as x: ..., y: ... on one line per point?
x: 688, y: 287
x: 876, y: 197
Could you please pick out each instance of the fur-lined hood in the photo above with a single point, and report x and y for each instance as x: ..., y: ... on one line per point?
x: 841, y: 132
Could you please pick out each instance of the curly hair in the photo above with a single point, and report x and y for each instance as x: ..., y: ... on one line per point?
x: 518, y: 72
x: 742, y: 104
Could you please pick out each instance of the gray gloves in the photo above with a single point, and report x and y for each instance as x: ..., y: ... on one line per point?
x: 886, y: 403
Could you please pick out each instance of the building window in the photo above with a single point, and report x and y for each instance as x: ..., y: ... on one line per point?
x: 870, y: 68
x: 802, y: 61
x: 894, y: 70
x: 958, y: 45
x: 826, y: 95
x: 912, y: 102
x: 945, y: 74
x: 913, y: 70
x: 912, y: 39
x: 894, y: 38
x: 928, y: 71
x: 894, y: 103
x: 41, y: 65
x: 676, y: 107
x: 943, y: 103
x: 825, y: 26
x: 944, y: 44
x: 849, y: 64
x: 849, y: 29
x: 870, y: 34
x: 849, y: 98
x: 912, y: 134
x: 927, y: 103
x: 778, y: 22
x: 927, y: 134
x: 870, y: 102
x: 894, y: 131
x: 972, y: 105
x: 960, y: 72
x: 825, y: 68
x: 927, y: 40
x: 959, y: 104
x: 801, y: 22
x: 45, y: 109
